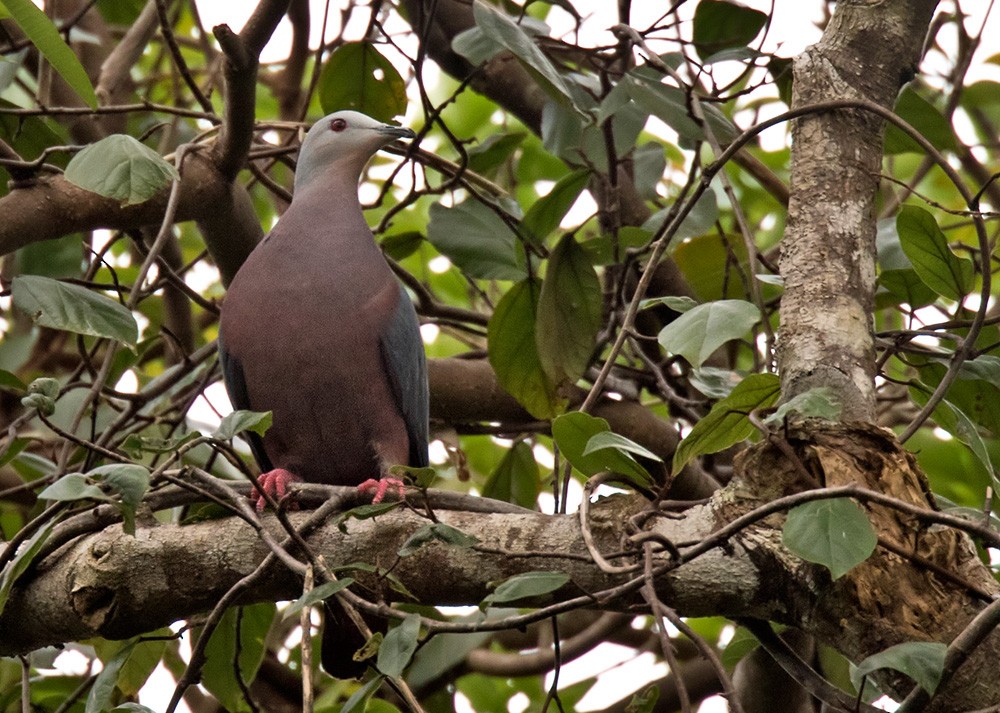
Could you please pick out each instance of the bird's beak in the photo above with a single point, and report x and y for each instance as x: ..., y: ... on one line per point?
x: 396, y: 132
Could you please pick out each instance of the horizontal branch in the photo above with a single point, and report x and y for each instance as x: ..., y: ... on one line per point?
x: 115, y: 585
x: 51, y: 207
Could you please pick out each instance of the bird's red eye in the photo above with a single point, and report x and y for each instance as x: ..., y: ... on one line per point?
x: 338, y: 125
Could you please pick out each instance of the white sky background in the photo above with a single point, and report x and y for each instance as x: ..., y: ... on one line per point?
x: 792, y: 30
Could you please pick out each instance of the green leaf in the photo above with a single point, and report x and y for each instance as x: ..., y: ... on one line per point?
x: 315, y: 596
x: 547, y: 212
x: 727, y: 423
x: 608, y: 439
x: 219, y: 673
x: 834, y: 532
x: 906, y: 287
x: 819, y: 402
x: 45, y: 36
x: 102, y: 692
x: 697, y: 333
x: 742, y: 643
x: 238, y: 421
x: 670, y: 104
x: 12, y: 382
x: 436, y: 532
x: 925, y: 118
x: 22, y: 560
x: 573, y: 433
x: 720, y: 25
x: 500, y: 28
x: 131, y: 482
x: 357, y: 702
x: 356, y: 76
x: 494, y: 150
x: 926, y: 247
x: 923, y: 661
x: 71, y: 487
x: 679, y: 304
x: 644, y: 701
x: 398, y: 646
x: 122, y: 168
x: 513, y: 352
x: 529, y: 585
x: 570, y: 313
x: 400, y: 246
x: 133, y: 708
x: 516, y: 478
x: 72, y: 308
x: 477, y: 240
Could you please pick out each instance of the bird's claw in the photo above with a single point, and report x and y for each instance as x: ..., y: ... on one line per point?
x: 275, y: 483
x: 383, y: 487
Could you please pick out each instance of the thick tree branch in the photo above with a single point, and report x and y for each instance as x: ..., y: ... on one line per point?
x: 114, y: 585
x: 828, y: 255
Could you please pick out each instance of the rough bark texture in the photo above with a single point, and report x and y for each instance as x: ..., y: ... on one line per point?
x: 115, y: 585
x: 869, y: 50
x: 888, y: 599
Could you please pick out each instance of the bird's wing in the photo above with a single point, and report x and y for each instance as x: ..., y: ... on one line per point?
x: 404, y: 361
x: 236, y: 386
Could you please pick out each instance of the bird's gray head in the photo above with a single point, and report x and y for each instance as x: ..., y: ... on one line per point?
x: 344, y: 142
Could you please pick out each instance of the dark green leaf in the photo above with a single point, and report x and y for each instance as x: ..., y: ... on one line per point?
x: 649, y: 165
x: 570, y: 313
x: 780, y: 69
x: 713, y: 382
x: 477, y: 240
x: 670, y: 105
x: 357, y: 702
x: 835, y: 533
x: 219, y: 673
x: 742, y: 643
x: 906, y: 287
x: 923, y: 661
x: 727, y: 423
x: 45, y: 36
x: 238, y: 421
x: 135, y: 445
x: 547, y: 212
x: 131, y: 482
x: 529, y: 585
x: 697, y: 333
x: 22, y: 560
x: 720, y: 25
x: 72, y: 308
x: 10, y: 381
x: 102, y: 692
x: 513, y: 352
x: 365, y: 512
x: 818, y: 402
x: 516, y: 478
x: 398, y: 646
x: 122, y: 168
x: 315, y: 596
x: 400, y: 246
x: 500, y: 28
x: 925, y: 118
x: 608, y: 439
x: 453, y: 536
x: 573, y: 433
x: 926, y: 247
x: 476, y: 45
x: 494, y: 151
x: 644, y: 701
x: 984, y: 366
x: 699, y: 220
x: 679, y: 304
x: 356, y: 76
x: 72, y: 486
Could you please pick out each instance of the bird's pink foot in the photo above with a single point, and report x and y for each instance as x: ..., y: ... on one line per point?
x: 275, y: 483
x: 382, y: 487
